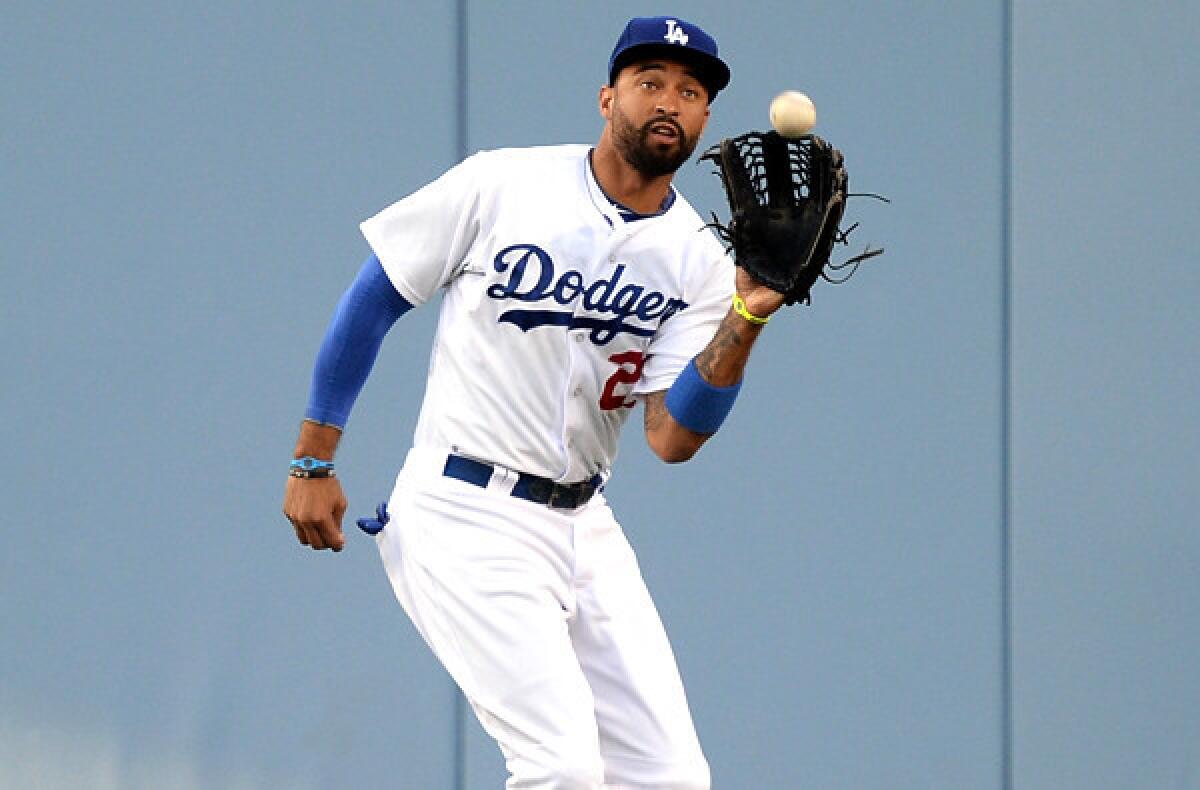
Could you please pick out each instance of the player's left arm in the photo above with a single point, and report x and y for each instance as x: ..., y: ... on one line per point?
x: 679, y: 420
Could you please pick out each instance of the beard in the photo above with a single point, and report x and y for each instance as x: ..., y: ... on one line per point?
x: 650, y: 159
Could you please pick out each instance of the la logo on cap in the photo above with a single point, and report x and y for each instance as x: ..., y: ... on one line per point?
x: 675, y: 34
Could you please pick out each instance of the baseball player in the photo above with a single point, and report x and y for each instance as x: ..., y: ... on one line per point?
x: 577, y: 284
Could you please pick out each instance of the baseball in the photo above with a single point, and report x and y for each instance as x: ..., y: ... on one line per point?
x: 793, y: 114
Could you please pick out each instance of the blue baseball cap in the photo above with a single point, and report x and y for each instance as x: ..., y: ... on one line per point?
x: 673, y: 38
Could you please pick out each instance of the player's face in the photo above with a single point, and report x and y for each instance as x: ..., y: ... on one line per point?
x: 659, y: 109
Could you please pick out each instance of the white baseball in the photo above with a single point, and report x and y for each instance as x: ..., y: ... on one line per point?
x: 793, y: 114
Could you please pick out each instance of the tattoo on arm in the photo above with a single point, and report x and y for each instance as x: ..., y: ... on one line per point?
x: 669, y: 439
x: 721, y: 363
x: 655, y: 406
x: 728, y: 351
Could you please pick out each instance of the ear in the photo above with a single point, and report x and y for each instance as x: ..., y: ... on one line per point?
x: 605, y: 101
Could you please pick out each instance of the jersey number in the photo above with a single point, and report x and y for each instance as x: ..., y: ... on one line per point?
x: 629, y: 370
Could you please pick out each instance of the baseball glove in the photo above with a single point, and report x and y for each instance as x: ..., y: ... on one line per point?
x: 787, y: 197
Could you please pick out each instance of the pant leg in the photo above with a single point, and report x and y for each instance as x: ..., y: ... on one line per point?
x: 486, y: 580
x: 647, y: 738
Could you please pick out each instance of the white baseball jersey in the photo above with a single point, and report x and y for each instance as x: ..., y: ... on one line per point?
x: 557, y: 311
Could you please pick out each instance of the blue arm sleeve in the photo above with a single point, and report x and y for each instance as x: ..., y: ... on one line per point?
x: 364, y: 315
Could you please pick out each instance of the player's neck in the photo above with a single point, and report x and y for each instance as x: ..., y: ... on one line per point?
x: 621, y: 182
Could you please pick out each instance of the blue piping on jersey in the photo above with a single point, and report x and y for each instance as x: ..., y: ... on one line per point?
x: 628, y: 214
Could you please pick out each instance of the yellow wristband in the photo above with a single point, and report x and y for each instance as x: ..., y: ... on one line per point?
x: 739, y: 307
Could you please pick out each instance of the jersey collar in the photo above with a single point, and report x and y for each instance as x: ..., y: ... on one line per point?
x: 614, y: 206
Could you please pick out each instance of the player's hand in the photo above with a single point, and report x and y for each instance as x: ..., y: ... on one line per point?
x: 761, y: 300
x: 315, y: 507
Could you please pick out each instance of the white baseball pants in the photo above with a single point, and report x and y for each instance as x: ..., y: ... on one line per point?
x: 542, y: 618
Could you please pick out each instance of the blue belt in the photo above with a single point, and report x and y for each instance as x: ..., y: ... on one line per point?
x: 541, y: 490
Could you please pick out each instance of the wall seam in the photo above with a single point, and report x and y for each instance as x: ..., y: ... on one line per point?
x: 1006, y: 149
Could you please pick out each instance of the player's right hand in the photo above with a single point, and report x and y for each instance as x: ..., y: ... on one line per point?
x: 315, y: 507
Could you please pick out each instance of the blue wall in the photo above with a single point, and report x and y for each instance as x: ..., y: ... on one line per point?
x: 1106, y: 379
x: 946, y: 540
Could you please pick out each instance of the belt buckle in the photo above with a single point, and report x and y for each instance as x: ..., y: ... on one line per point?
x: 562, y: 496
x: 540, y: 490
x: 571, y: 496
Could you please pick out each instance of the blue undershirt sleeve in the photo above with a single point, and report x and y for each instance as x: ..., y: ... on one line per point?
x: 364, y: 315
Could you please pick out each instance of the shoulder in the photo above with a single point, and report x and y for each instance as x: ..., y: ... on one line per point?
x: 547, y: 157
x: 517, y: 170
x: 693, y: 232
